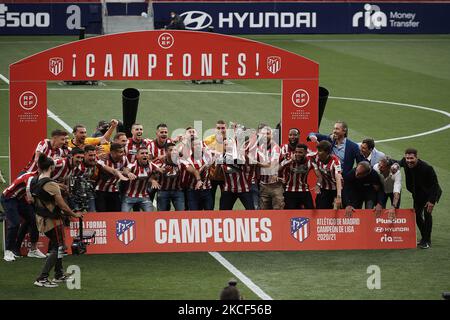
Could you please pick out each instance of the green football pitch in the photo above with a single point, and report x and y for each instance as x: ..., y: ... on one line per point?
x: 392, y: 88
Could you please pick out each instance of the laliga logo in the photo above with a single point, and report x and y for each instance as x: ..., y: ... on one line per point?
x: 196, y: 20
x: 374, y: 18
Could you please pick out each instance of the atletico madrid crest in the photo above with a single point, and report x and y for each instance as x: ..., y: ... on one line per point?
x: 300, y: 228
x: 125, y: 230
x: 56, y: 65
x: 273, y: 64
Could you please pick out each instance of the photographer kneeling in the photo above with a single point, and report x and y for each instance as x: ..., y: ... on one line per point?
x: 50, y: 208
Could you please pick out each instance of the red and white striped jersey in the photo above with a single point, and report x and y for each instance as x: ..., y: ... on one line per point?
x: 138, y: 187
x: 157, y: 150
x: 204, y: 162
x: 295, y: 175
x: 63, y: 168
x: 132, y: 147
x: 328, y: 171
x: 65, y: 151
x: 287, y: 152
x: 172, y: 178
x: 106, y: 181
x: 44, y: 147
x: 87, y: 172
x: 18, y: 187
x: 238, y: 177
x: 272, y: 155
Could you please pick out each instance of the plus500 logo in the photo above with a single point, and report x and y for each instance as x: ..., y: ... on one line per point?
x: 23, y: 19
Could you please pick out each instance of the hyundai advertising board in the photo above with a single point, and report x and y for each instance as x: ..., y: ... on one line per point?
x: 300, y: 18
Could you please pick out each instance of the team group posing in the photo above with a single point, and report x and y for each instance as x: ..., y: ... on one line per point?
x: 248, y: 165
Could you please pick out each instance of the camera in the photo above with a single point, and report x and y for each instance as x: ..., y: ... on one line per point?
x: 80, y: 192
x: 78, y: 247
x: 80, y: 243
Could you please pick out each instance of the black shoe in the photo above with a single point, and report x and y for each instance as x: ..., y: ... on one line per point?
x: 425, y: 245
x: 16, y: 253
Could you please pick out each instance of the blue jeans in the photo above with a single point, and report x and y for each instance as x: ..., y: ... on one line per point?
x: 254, y: 190
x: 165, y: 197
x: 227, y: 200
x: 14, y: 209
x: 144, y: 204
x: 200, y: 200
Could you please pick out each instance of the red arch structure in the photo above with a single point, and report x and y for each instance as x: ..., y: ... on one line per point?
x: 155, y: 55
x: 186, y: 55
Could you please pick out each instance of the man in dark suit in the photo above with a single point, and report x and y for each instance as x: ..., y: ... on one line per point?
x: 346, y: 150
x: 422, y: 182
x: 364, y: 187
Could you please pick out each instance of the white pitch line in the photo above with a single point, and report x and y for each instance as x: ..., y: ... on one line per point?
x: 59, y: 120
x: 4, y: 79
x: 246, y: 280
x: 363, y: 40
x: 272, y: 94
x: 403, y: 105
x: 167, y: 90
x: 4, y: 157
x: 249, y: 283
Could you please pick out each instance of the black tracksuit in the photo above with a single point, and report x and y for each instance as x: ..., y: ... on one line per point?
x: 423, y: 184
x: 368, y: 190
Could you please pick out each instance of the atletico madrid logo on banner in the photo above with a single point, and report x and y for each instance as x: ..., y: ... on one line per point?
x: 56, y: 65
x: 125, y: 230
x: 300, y: 228
x: 273, y: 64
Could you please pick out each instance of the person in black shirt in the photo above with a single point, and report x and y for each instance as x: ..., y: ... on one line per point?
x: 176, y: 22
x: 364, y: 186
x: 422, y: 182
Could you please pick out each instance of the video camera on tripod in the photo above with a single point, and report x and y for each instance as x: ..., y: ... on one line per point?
x: 81, y: 191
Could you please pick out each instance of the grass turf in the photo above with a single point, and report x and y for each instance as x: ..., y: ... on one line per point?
x: 406, y: 69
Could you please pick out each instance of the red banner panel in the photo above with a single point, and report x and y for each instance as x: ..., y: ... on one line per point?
x: 291, y: 230
x: 27, y: 121
x: 300, y: 108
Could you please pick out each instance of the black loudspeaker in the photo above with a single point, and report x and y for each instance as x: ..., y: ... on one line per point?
x: 130, y: 101
x: 323, y: 97
x: 82, y: 33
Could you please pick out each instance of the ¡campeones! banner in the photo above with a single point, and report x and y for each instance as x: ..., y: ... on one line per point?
x: 287, y: 230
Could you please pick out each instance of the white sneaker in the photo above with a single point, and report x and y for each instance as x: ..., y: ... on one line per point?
x: 45, y: 283
x: 9, y: 256
x: 36, y: 254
